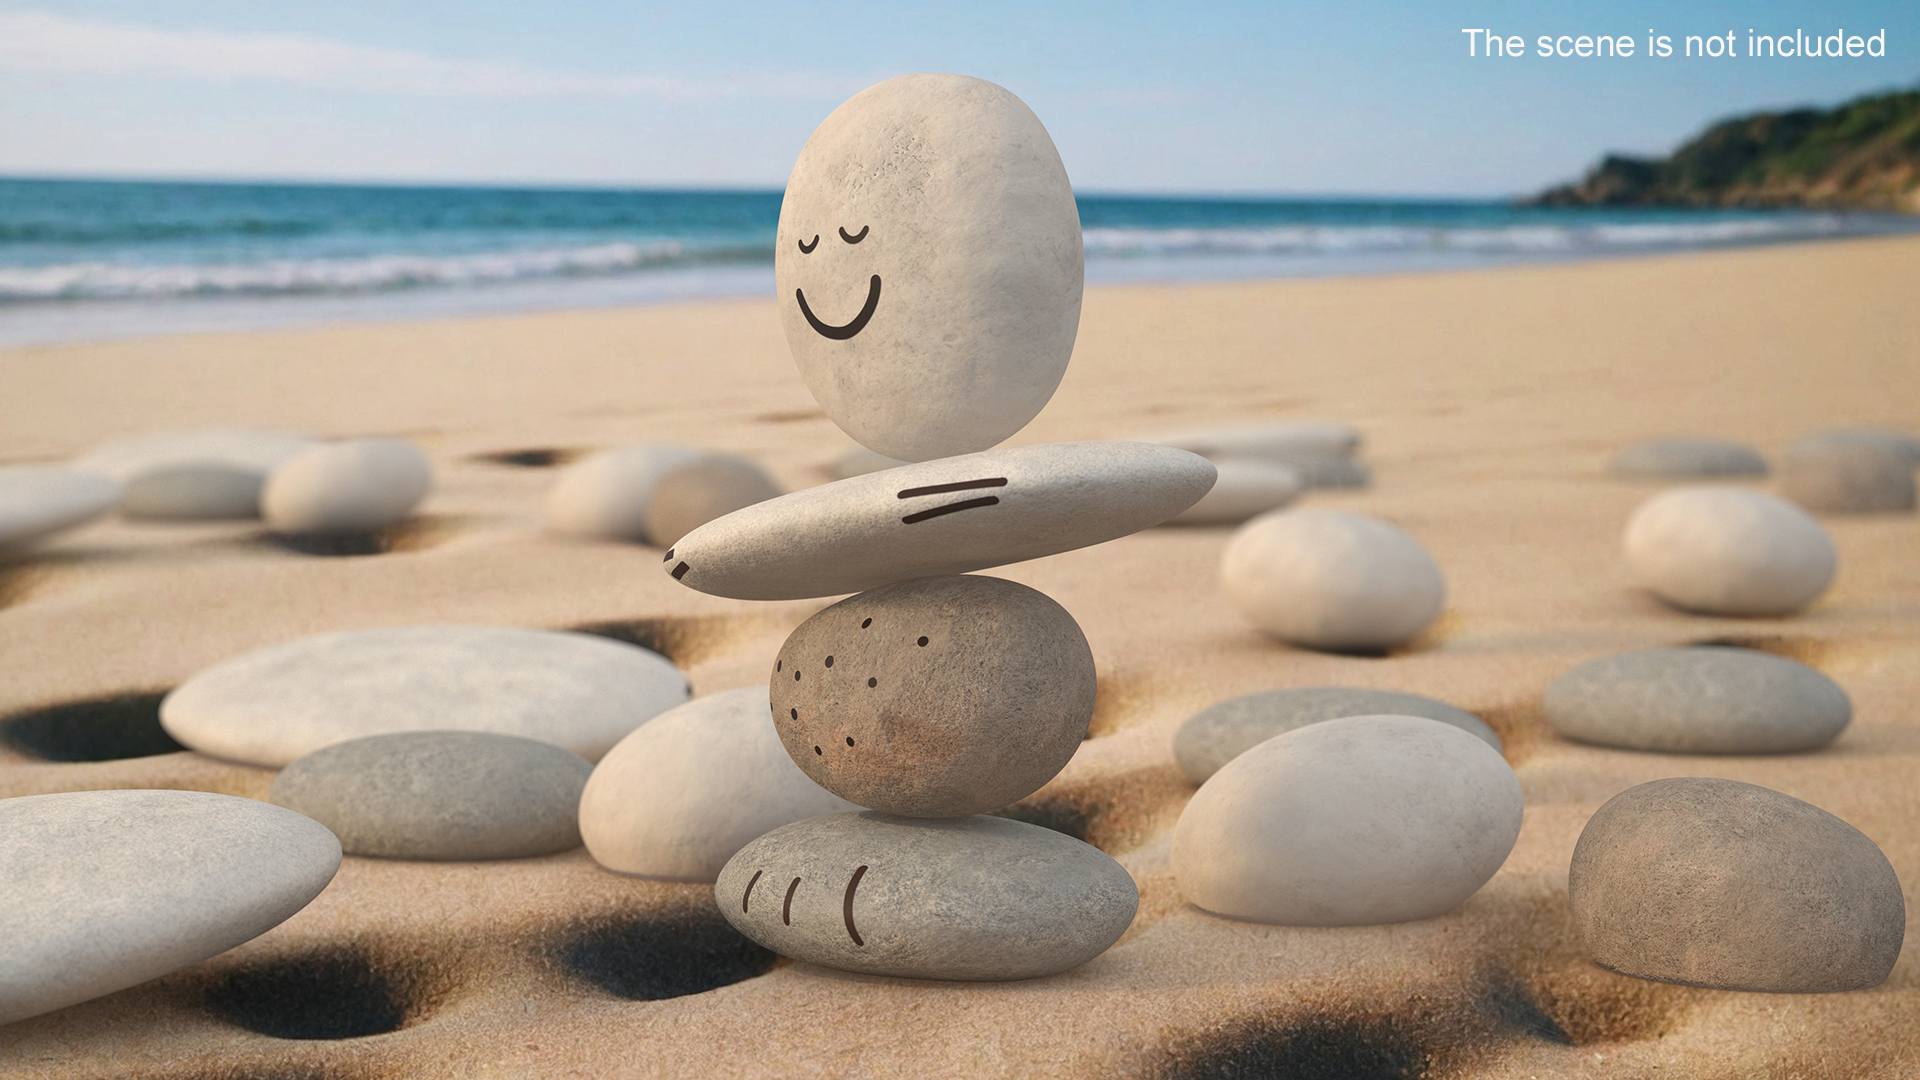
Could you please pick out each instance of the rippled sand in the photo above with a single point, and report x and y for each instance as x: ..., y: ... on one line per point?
x: 1491, y: 402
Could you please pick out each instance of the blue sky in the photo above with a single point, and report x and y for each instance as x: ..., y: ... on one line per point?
x: 1357, y: 98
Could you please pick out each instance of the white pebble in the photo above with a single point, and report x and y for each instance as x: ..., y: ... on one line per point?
x: 1349, y: 822
x: 687, y: 789
x: 1331, y: 580
x: 358, y: 485
x: 1728, y: 551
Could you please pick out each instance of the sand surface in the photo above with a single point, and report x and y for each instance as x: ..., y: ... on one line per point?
x: 1490, y: 402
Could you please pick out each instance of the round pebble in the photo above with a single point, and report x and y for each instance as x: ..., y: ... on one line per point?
x: 440, y: 795
x: 1349, y: 822
x: 678, y: 797
x: 1330, y: 580
x: 106, y: 889
x: 194, y: 491
x: 37, y: 501
x: 696, y: 493
x: 1728, y: 551
x: 1849, y: 478
x: 975, y: 898
x: 359, y: 485
x: 1671, y: 459
x: 936, y: 697
x: 939, y: 517
x: 929, y: 312
x: 1223, y: 731
x: 1245, y: 488
x: 604, y: 496
x: 1699, y: 700
x: 274, y: 705
x: 1728, y: 885
x: 1286, y: 441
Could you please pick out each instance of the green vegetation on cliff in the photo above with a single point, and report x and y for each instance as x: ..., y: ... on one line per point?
x: 1864, y: 154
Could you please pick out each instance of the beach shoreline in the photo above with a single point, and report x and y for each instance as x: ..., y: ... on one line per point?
x: 1490, y: 401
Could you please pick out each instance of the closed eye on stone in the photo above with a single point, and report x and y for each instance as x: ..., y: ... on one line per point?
x: 807, y: 249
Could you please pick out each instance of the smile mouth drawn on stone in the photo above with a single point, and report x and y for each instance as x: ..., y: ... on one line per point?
x: 842, y: 333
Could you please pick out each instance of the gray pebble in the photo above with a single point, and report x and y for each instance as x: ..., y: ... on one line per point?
x: 1245, y: 488
x: 974, y: 898
x: 195, y: 491
x: 440, y: 795
x: 693, y: 494
x: 38, y: 501
x: 1849, y: 478
x: 859, y: 462
x: 1899, y: 442
x: 936, y: 697
x: 1285, y: 440
x: 1672, y: 459
x: 1223, y: 731
x: 191, y: 473
x: 1699, y: 700
x: 102, y: 890
x: 1717, y: 883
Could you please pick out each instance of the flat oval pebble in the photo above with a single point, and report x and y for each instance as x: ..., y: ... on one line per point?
x: 1330, y: 472
x: 939, y: 517
x: 37, y: 501
x: 274, y: 705
x: 194, y: 473
x: 255, y: 451
x: 690, y: 787
x: 1349, y: 822
x: 931, y: 311
x: 1900, y: 442
x: 358, y: 485
x: 1224, y: 730
x: 103, y: 890
x: 975, y: 898
x: 1245, y: 488
x: 1849, y: 478
x: 1285, y: 441
x: 1728, y: 885
x: 440, y: 795
x: 936, y: 697
x: 1699, y: 700
x: 195, y: 491
x: 1664, y: 459
x: 859, y: 462
x: 693, y: 494
x: 604, y: 496
x: 1331, y: 580
x: 1728, y: 551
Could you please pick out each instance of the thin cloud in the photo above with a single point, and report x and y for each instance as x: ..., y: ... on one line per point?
x: 44, y: 42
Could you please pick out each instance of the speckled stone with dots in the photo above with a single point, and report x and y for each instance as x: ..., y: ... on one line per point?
x: 936, y: 697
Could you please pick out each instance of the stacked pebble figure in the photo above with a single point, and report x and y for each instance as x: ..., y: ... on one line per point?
x: 929, y: 273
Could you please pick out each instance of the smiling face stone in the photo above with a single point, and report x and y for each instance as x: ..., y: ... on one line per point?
x: 929, y: 266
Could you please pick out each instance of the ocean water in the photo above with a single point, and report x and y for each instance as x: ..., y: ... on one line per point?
x: 96, y: 259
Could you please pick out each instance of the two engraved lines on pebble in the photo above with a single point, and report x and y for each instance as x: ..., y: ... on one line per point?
x: 859, y: 323
x: 915, y: 518
x: 952, y: 508
x: 786, y: 906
